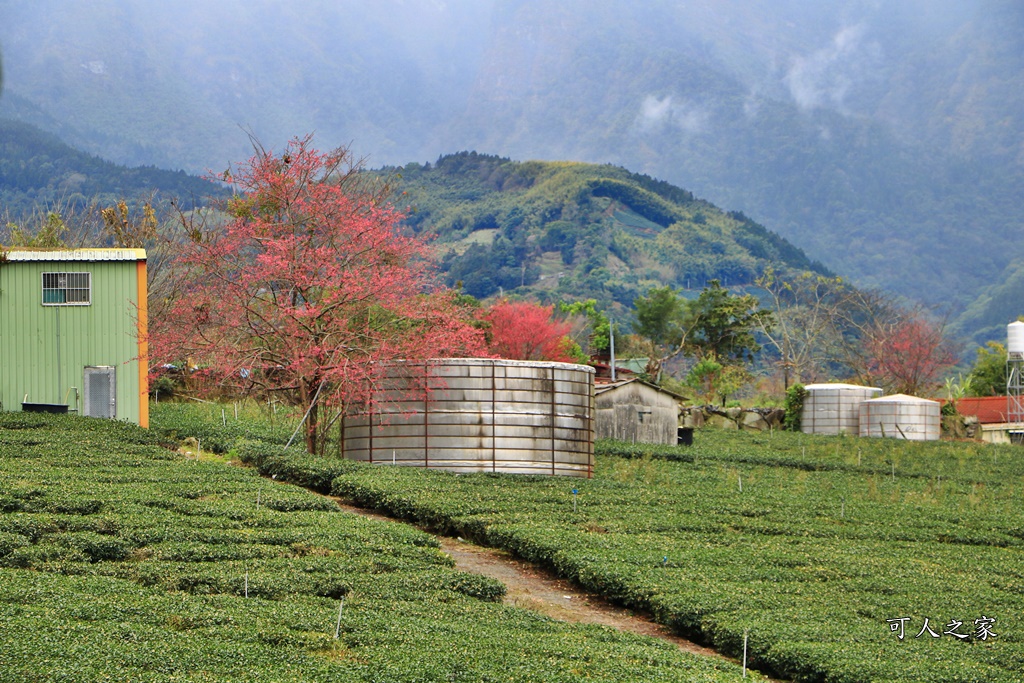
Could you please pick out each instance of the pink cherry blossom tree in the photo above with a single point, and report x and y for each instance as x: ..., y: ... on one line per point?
x: 307, y: 291
x: 910, y: 354
x: 520, y: 330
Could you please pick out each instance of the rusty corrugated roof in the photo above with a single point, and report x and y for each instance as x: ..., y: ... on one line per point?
x: 988, y: 409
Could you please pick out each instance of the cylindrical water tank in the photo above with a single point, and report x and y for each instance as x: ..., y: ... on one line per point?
x: 1015, y: 338
x: 479, y: 415
x: 834, y: 408
x: 901, y: 417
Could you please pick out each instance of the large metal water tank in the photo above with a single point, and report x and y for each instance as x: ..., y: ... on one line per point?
x: 901, y: 417
x: 834, y: 408
x: 479, y: 415
x: 1015, y: 338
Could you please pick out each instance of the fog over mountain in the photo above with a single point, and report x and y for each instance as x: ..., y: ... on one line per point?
x: 885, y: 138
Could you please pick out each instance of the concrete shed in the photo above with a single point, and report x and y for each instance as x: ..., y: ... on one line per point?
x: 633, y: 410
x: 901, y: 417
x: 834, y: 408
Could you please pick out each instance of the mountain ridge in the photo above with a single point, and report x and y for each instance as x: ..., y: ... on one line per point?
x: 884, y: 139
x: 40, y: 172
x: 544, y: 230
x: 571, y: 230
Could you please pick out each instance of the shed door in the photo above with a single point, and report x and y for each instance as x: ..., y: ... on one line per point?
x: 100, y: 394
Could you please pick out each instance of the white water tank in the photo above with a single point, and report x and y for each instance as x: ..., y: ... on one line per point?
x: 834, y: 408
x: 901, y: 417
x: 1015, y: 339
x: 479, y: 415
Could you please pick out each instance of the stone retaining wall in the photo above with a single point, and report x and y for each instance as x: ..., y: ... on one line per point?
x: 757, y: 419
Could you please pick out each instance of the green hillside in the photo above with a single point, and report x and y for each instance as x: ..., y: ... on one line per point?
x: 544, y: 230
x: 559, y: 230
x: 38, y: 170
x: 883, y: 138
x: 995, y: 307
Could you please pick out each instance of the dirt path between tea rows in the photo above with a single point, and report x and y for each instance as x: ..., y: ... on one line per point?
x: 532, y: 588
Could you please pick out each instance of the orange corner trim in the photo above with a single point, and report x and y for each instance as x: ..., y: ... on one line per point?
x: 143, y: 310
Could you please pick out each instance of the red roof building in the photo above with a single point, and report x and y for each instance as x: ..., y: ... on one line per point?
x: 988, y: 409
x: 991, y: 412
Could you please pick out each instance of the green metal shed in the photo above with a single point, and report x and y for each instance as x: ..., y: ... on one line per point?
x: 73, y: 332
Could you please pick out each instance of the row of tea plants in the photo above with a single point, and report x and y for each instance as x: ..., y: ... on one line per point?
x: 122, y: 559
x: 821, y: 550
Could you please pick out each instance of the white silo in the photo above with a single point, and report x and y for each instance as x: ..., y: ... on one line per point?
x: 834, y: 408
x: 901, y: 417
x: 1014, y: 369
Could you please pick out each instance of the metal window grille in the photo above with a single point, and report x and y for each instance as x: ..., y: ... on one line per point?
x: 67, y: 289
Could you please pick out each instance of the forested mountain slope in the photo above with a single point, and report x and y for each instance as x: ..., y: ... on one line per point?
x: 884, y: 138
x: 39, y: 172
x: 880, y: 138
x: 567, y: 231
x: 545, y: 230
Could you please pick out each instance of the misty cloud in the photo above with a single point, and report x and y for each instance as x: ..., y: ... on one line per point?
x: 752, y: 105
x: 658, y: 113
x: 825, y: 77
x: 96, y: 66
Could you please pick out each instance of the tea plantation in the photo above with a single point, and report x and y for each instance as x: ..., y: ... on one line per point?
x: 824, y: 550
x: 123, y: 560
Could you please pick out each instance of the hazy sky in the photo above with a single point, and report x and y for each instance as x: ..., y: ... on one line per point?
x: 849, y: 117
x: 409, y: 79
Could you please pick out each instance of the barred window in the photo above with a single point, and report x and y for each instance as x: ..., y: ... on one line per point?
x: 67, y: 289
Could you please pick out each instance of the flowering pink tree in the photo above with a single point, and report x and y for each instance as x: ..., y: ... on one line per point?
x: 526, y: 331
x: 909, y: 355
x: 307, y: 290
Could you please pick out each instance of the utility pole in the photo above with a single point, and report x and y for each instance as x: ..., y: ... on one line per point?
x: 611, y: 344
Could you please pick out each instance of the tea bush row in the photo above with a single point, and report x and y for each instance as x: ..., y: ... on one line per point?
x: 828, y: 539
x: 121, y: 559
x: 811, y: 559
x: 967, y: 461
x: 215, y: 425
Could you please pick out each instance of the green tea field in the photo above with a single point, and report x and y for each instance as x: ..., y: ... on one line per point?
x: 123, y: 560
x: 841, y: 559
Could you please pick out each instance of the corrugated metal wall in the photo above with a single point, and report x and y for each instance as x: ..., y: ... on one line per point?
x: 481, y: 415
x: 102, y: 333
x: 834, y: 408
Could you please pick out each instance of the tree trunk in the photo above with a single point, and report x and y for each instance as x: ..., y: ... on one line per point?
x: 307, y: 396
x: 312, y: 427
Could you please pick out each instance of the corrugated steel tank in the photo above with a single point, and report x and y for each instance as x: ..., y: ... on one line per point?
x: 479, y: 415
x: 901, y: 417
x: 834, y: 408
